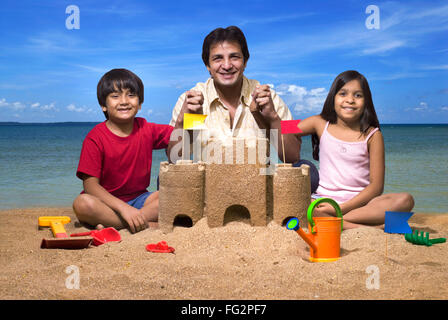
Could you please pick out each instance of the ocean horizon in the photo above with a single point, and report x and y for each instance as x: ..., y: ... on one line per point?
x: 38, y: 163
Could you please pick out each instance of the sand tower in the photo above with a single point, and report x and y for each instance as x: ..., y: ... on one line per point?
x: 236, y: 177
x: 291, y: 192
x: 181, y: 192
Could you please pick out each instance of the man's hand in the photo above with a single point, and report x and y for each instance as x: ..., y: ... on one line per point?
x: 193, y: 102
x: 262, y: 103
x: 134, y: 218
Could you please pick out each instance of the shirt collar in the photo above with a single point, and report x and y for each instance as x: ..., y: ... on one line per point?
x: 245, y: 92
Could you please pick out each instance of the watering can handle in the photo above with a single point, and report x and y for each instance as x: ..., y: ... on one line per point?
x: 314, y: 204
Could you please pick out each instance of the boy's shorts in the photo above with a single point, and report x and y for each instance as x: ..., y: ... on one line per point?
x: 139, y: 201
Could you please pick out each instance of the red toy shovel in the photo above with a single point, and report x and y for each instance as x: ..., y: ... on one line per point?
x: 100, y: 236
x: 162, y: 246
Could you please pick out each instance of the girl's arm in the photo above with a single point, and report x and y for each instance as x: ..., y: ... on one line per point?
x: 310, y: 125
x: 377, y: 172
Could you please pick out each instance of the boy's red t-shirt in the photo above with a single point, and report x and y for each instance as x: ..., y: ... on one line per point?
x: 123, y: 164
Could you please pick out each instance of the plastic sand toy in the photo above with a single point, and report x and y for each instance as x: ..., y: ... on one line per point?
x: 100, y: 236
x: 61, y: 239
x: 161, y: 247
x: 422, y: 238
x: 324, y: 239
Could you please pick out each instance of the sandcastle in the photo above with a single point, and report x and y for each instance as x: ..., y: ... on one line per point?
x: 235, y: 178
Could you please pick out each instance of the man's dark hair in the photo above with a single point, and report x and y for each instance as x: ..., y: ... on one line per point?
x: 230, y: 34
x: 118, y: 80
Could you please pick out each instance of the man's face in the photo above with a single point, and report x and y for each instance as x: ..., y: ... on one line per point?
x: 226, y: 64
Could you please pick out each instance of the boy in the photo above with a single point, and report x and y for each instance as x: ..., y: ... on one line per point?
x: 116, y: 157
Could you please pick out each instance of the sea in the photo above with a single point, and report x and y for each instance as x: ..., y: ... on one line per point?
x: 38, y: 163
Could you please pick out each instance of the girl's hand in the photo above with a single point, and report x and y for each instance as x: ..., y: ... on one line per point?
x: 324, y: 210
x: 134, y: 218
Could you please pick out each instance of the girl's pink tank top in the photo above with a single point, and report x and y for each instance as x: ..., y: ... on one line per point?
x: 344, y: 167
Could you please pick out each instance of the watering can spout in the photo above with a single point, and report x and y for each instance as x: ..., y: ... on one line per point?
x: 293, y: 224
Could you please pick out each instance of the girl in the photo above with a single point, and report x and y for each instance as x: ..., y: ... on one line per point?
x: 349, y: 145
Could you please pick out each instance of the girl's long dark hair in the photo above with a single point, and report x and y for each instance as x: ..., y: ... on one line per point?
x: 368, y: 118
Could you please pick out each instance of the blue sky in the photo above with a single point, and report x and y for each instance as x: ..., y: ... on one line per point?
x: 49, y: 73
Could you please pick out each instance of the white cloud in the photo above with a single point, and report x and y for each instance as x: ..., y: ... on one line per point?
x: 83, y: 109
x: 402, y: 26
x: 275, y: 19
x: 48, y: 107
x: 18, y: 106
x: 423, y: 106
x: 445, y: 108
x: 384, y: 47
x: 302, y: 100
x: 436, y: 67
x: 72, y: 107
x: 3, y: 103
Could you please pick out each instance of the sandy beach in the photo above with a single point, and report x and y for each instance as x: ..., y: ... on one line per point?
x: 236, y: 261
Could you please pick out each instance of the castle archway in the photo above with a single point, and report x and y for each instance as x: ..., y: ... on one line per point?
x: 182, y: 220
x: 237, y: 213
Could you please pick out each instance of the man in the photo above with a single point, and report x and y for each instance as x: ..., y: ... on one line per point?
x: 235, y: 106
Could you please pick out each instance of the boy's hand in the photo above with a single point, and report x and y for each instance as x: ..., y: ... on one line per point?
x: 135, y: 219
x: 262, y: 102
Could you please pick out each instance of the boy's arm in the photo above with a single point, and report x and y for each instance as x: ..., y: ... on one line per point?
x: 133, y: 217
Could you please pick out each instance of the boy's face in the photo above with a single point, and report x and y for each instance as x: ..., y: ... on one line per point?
x: 122, y: 106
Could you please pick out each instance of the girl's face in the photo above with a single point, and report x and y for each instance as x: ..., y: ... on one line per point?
x: 349, y: 102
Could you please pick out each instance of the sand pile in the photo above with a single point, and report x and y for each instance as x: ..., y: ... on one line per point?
x: 236, y: 261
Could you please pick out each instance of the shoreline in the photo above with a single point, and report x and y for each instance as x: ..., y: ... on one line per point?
x: 236, y: 261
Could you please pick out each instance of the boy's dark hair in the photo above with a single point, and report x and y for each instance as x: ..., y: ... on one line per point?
x: 230, y: 34
x: 368, y: 118
x: 118, y: 79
